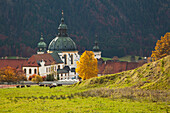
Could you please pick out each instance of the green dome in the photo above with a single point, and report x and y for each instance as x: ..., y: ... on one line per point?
x: 96, y: 47
x: 62, y: 42
x: 42, y: 44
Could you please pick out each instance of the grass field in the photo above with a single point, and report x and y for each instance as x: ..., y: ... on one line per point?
x: 125, y: 58
x: 68, y: 99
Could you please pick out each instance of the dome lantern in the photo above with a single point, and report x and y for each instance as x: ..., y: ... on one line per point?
x: 62, y: 27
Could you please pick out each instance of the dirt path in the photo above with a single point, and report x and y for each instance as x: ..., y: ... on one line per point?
x: 7, y: 86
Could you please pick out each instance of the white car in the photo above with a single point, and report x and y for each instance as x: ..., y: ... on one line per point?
x: 54, y: 84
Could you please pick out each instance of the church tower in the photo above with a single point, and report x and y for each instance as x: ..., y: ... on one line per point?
x: 66, y: 48
x: 41, y: 46
x: 96, y: 50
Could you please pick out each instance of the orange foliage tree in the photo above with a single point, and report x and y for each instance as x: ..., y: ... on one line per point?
x: 31, y: 77
x: 9, y: 74
x: 162, y: 47
x: 37, y: 79
x: 87, y: 66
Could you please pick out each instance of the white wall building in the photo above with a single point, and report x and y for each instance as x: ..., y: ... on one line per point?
x: 62, y: 54
x: 45, y: 64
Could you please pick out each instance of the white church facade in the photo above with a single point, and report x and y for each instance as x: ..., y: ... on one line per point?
x: 60, y: 58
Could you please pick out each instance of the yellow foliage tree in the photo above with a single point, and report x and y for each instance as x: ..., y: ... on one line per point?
x: 87, y: 66
x: 37, y: 79
x: 162, y: 47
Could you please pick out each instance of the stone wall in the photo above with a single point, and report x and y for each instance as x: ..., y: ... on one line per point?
x: 111, y: 66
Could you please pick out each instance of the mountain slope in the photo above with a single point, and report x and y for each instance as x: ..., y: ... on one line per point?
x: 123, y: 27
x: 155, y: 75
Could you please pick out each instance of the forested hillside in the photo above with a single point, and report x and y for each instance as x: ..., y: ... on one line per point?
x: 124, y: 27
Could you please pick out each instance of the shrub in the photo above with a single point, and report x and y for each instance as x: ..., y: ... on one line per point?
x: 50, y: 77
x: 44, y: 78
x: 31, y: 77
x: 37, y: 79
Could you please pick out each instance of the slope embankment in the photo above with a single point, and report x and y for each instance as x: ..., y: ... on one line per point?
x: 154, y: 75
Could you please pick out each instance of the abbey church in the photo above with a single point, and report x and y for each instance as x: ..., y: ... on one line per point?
x: 60, y: 58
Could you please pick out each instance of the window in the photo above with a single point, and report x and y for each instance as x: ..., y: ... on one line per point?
x: 65, y: 59
x: 58, y: 76
x: 35, y: 71
x: 46, y: 69
x: 58, y: 66
x: 25, y: 70
x: 29, y: 71
x: 71, y: 59
x: 49, y: 69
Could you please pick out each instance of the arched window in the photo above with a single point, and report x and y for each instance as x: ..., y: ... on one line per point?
x: 25, y: 70
x: 65, y: 59
x: 29, y: 71
x: 35, y: 71
x: 71, y: 59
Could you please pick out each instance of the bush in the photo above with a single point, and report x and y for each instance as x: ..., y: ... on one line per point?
x: 37, y: 79
x: 31, y: 77
x: 44, y: 78
x: 50, y: 77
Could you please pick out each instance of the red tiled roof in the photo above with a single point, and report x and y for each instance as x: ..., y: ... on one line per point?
x: 15, y: 63
x: 34, y: 59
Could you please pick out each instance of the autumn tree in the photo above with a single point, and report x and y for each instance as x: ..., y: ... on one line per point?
x: 31, y: 77
x: 9, y: 74
x: 115, y: 58
x: 162, y: 47
x: 87, y: 66
x: 37, y: 79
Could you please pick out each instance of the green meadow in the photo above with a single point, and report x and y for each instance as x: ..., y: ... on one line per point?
x: 125, y: 58
x: 68, y: 99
